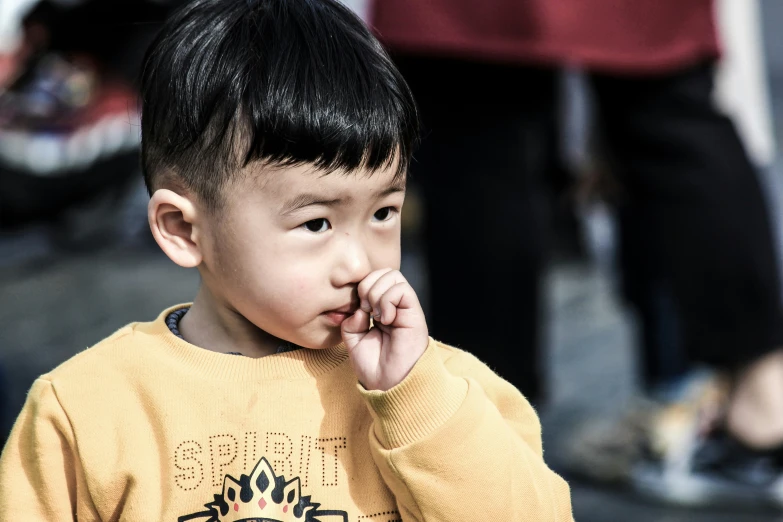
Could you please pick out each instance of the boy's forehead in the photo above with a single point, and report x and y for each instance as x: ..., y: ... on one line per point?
x: 281, y: 183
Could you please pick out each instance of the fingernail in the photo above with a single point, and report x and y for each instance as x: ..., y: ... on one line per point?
x: 366, y: 306
x: 376, y: 313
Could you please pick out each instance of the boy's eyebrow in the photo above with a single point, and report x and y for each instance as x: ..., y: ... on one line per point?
x: 307, y: 199
x: 397, y: 186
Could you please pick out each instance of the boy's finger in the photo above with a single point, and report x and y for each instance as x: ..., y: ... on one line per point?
x: 391, y: 300
x: 357, y: 324
x: 380, y: 287
x: 368, y: 283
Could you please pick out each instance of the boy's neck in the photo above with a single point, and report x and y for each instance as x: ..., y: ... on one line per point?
x: 209, y: 324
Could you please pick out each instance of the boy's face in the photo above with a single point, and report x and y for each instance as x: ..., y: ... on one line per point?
x: 291, y: 246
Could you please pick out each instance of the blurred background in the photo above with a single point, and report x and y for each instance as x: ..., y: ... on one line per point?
x: 615, y: 164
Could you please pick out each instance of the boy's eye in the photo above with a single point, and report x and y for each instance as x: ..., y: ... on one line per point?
x: 317, y: 225
x: 383, y: 214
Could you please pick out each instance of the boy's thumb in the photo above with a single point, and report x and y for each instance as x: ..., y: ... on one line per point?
x: 355, y: 327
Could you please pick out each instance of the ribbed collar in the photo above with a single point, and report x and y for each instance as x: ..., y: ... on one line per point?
x: 298, y: 364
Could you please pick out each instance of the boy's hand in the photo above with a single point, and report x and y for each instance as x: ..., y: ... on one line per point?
x: 384, y: 355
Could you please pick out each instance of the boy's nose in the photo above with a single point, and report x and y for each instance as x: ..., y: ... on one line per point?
x: 354, y: 264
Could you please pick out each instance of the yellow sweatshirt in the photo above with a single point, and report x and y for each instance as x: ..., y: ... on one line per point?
x: 145, y: 427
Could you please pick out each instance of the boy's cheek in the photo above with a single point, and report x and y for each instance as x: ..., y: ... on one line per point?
x: 387, y: 256
x: 300, y: 294
x: 302, y: 285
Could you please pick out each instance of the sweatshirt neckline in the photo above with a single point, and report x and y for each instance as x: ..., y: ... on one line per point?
x: 298, y: 364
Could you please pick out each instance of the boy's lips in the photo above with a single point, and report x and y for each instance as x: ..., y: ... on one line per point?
x: 338, y: 315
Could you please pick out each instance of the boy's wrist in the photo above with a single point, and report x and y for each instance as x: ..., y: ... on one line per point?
x: 427, y: 397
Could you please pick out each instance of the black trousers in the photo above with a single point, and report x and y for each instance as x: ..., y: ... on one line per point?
x: 689, y: 187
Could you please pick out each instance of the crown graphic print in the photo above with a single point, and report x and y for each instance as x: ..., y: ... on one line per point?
x: 263, y: 496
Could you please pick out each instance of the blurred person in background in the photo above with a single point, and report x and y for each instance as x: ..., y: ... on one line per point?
x: 692, y: 213
x: 68, y: 144
x: 68, y: 115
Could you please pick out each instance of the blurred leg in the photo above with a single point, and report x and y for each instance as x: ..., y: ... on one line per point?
x: 662, y: 358
x: 481, y: 165
x: 686, y: 172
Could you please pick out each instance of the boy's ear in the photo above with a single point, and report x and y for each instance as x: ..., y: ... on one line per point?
x: 174, y: 224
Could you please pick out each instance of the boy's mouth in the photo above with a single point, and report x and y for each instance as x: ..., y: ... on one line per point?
x: 338, y: 315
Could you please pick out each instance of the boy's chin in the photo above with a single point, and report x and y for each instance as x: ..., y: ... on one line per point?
x: 329, y: 341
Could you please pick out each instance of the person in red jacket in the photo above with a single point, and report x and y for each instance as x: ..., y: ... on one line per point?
x: 485, y: 77
x: 624, y: 36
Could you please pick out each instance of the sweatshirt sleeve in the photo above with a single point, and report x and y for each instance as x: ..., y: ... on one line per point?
x: 455, y: 442
x: 39, y: 468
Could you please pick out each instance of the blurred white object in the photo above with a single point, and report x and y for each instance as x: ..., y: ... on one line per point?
x: 360, y: 7
x: 741, y: 88
x: 11, y: 14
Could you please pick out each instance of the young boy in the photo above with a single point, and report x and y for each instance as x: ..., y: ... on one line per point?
x: 301, y: 384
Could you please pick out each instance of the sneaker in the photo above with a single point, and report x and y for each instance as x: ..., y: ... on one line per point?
x: 604, y: 450
x: 714, y: 470
x: 607, y: 450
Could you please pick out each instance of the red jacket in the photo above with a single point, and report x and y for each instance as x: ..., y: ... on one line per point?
x: 631, y: 36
